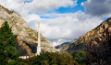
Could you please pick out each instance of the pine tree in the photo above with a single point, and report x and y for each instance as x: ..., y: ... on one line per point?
x: 8, y: 51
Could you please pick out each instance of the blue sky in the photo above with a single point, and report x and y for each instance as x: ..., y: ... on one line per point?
x: 69, y: 9
x: 61, y: 20
x: 72, y: 9
x: 27, y: 1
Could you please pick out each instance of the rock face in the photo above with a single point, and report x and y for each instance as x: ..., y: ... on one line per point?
x: 97, y: 35
x: 98, y: 44
x: 26, y: 37
x: 63, y: 46
x: 1, y: 22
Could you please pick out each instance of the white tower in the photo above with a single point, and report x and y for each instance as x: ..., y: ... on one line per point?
x: 39, y: 41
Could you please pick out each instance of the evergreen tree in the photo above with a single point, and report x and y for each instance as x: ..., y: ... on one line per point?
x: 8, y: 51
x: 48, y: 58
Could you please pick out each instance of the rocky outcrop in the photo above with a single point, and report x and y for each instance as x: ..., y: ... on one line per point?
x: 26, y: 37
x: 98, y: 44
x: 97, y: 35
x: 63, y: 46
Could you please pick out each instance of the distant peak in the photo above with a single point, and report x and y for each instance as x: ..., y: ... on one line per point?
x: 108, y: 19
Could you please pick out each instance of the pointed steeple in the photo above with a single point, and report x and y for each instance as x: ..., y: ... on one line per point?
x: 39, y: 41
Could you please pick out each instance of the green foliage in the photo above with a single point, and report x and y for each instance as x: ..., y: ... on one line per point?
x: 8, y: 52
x: 52, y: 59
x: 80, y: 57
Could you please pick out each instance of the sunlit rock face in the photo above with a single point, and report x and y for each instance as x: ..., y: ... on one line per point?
x: 98, y: 44
x: 1, y: 22
x: 99, y: 34
x: 26, y: 37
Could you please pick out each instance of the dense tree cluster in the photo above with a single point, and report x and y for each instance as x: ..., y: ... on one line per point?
x: 62, y: 58
x: 8, y: 51
x: 52, y: 59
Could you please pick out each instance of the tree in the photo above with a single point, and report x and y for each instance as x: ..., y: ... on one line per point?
x: 80, y: 56
x: 51, y: 58
x: 8, y: 51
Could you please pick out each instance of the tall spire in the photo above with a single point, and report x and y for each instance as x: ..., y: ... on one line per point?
x: 39, y: 41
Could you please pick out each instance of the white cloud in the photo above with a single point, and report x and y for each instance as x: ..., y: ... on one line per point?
x: 28, y: 10
x: 98, y: 7
x: 58, y: 42
x: 68, y: 26
x: 32, y: 17
x: 51, y: 4
x: 38, y: 6
x: 57, y: 26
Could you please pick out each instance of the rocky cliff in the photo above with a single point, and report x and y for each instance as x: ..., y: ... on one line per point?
x: 98, y: 44
x: 26, y: 37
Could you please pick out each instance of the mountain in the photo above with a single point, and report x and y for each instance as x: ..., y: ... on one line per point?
x: 26, y: 37
x: 63, y: 46
x: 98, y: 44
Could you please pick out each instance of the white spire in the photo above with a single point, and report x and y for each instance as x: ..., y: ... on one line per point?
x: 39, y: 41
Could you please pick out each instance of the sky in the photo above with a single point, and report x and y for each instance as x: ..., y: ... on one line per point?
x: 61, y: 20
